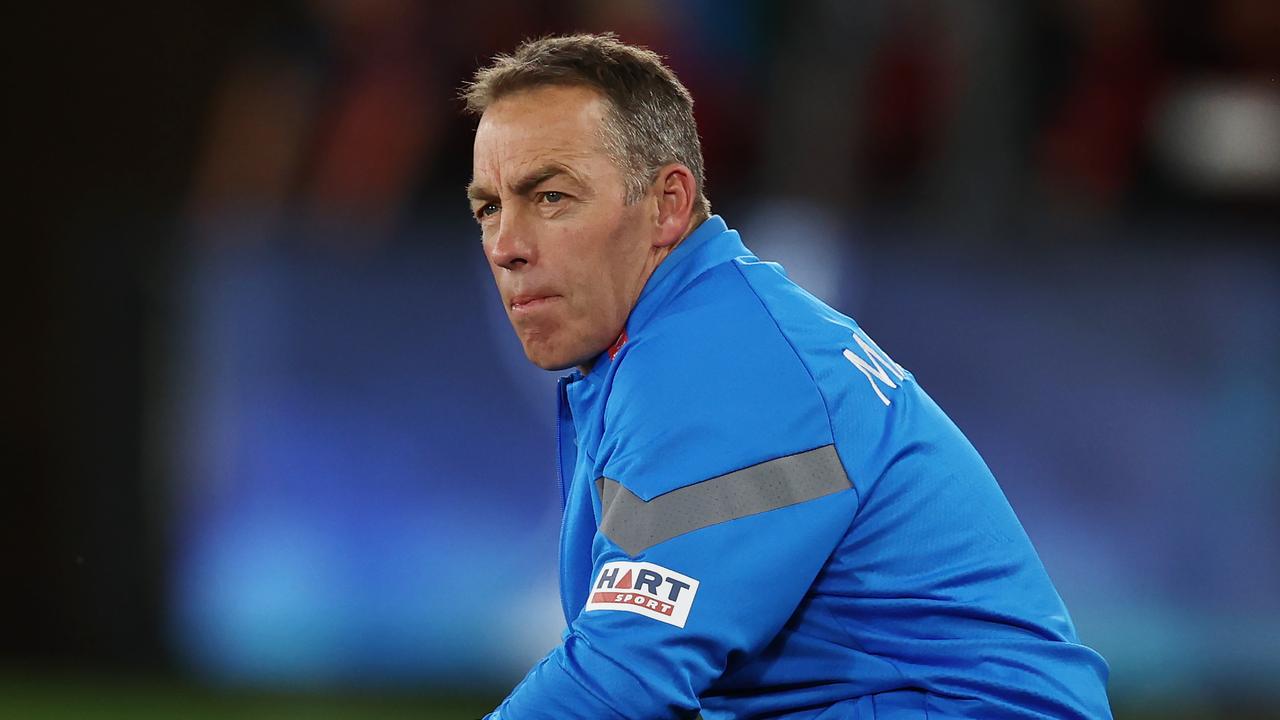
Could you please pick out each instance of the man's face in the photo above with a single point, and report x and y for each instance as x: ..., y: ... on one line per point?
x: 569, y: 256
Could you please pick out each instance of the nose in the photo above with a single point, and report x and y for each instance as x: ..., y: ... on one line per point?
x: 511, y: 246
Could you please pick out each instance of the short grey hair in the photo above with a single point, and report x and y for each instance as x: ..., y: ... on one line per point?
x: 649, y: 122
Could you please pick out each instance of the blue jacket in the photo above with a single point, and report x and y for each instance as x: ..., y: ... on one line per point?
x: 766, y: 516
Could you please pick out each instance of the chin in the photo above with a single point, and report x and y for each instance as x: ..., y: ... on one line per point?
x: 546, y: 360
x: 555, y: 362
x: 550, y: 365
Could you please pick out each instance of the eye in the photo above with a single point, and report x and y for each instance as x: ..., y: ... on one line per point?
x: 552, y: 196
x: 486, y: 210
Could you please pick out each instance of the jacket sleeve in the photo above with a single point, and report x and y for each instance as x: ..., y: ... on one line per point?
x: 751, y: 574
x: 721, y: 499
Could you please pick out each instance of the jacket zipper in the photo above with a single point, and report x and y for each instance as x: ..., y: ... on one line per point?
x: 562, y: 402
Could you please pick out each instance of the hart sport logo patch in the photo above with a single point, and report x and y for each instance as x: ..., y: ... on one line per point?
x: 645, y: 589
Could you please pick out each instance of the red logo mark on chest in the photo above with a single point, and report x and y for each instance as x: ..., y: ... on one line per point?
x: 617, y: 344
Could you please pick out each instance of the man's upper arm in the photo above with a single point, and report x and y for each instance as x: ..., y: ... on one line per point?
x: 717, y: 470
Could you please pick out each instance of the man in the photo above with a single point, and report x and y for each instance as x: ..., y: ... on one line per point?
x: 765, y: 516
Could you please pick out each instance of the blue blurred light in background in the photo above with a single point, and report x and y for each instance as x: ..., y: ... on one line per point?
x: 369, y: 492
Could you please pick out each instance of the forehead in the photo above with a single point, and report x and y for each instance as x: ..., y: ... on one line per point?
x: 553, y: 124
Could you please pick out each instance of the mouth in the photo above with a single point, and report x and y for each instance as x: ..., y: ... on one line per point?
x: 529, y: 303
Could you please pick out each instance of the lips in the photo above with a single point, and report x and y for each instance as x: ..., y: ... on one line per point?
x: 530, y: 301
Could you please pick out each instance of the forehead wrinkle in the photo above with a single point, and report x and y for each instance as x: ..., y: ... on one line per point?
x: 532, y: 147
x: 533, y: 178
x: 523, y: 174
x: 523, y: 183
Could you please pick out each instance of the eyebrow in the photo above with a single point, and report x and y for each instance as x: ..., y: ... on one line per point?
x: 478, y: 192
x: 537, y: 177
x: 522, y: 186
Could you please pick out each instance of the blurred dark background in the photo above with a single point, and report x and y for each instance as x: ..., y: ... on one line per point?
x: 274, y: 452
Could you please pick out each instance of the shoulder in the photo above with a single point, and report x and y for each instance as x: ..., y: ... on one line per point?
x: 709, y: 386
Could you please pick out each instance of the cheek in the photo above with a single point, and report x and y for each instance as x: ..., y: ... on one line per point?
x: 598, y: 263
x: 596, y: 283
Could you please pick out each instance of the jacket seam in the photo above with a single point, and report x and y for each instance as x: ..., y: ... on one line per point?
x: 826, y: 410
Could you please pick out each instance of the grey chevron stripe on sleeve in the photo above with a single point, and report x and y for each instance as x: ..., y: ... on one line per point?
x: 636, y: 525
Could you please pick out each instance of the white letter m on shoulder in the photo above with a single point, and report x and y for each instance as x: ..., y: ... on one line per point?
x: 875, y: 364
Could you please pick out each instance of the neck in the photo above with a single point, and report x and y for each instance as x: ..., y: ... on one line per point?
x: 655, y: 259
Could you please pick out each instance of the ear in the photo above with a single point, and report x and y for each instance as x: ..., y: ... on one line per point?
x: 674, y: 190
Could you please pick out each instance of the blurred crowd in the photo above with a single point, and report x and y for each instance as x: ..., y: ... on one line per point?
x: 990, y: 113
